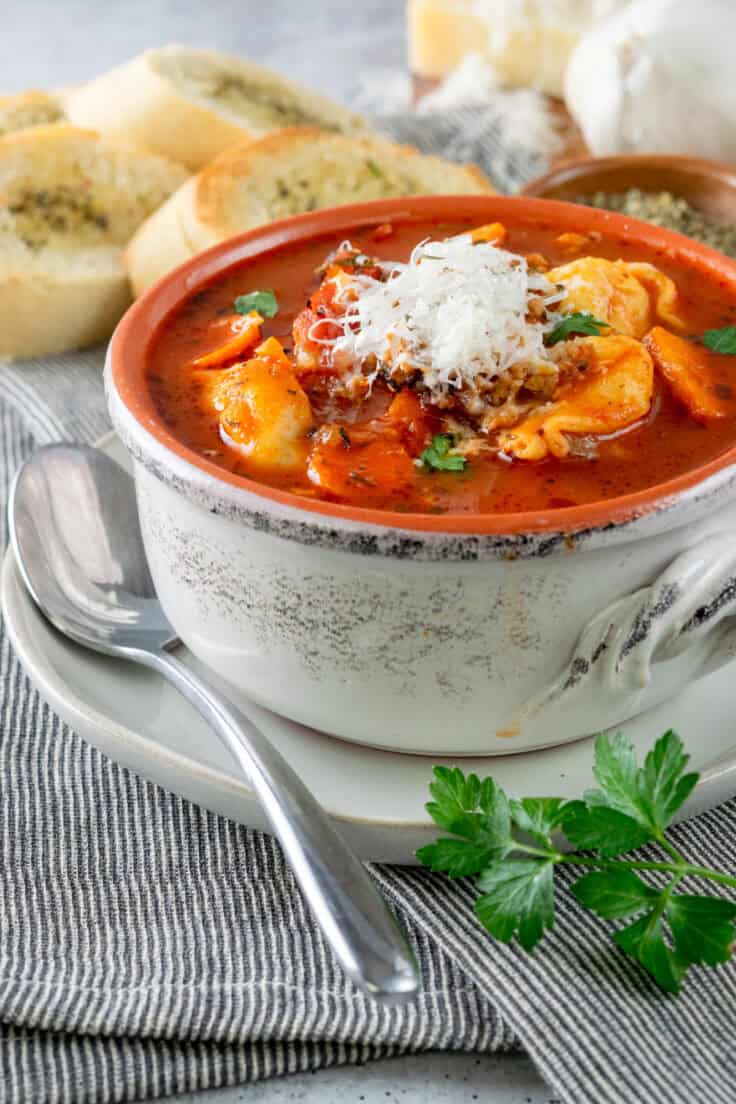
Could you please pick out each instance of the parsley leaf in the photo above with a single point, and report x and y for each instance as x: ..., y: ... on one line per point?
x: 454, y: 796
x: 581, y: 322
x: 508, y: 846
x: 518, y: 899
x: 458, y: 858
x: 537, y: 816
x: 614, y: 894
x: 651, y: 794
x: 438, y: 457
x: 265, y: 302
x: 663, y: 785
x: 477, y: 811
x: 702, y: 927
x: 644, y: 941
x: 721, y: 341
x: 615, y: 771
x: 600, y: 828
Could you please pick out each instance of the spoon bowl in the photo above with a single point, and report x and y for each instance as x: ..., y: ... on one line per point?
x: 76, y: 538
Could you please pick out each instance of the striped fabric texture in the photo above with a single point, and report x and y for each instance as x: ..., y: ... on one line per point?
x: 479, y: 135
x: 148, y: 947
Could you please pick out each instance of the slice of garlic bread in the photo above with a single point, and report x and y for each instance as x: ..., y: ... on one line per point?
x: 190, y: 104
x: 69, y: 204
x: 29, y: 109
x: 294, y: 170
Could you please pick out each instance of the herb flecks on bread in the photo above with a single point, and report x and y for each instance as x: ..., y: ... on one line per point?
x: 29, y: 109
x: 191, y: 104
x: 71, y: 201
x: 49, y: 216
x: 249, y: 94
x: 291, y: 171
x: 336, y: 180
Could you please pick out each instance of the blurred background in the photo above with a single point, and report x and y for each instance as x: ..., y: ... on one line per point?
x: 539, y: 95
x: 52, y: 42
x: 636, y: 75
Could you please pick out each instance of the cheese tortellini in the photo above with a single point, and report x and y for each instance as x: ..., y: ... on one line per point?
x: 613, y: 389
x: 629, y: 296
x: 263, y: 410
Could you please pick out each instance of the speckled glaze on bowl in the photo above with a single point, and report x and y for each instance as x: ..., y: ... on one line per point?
x: 423, y: 633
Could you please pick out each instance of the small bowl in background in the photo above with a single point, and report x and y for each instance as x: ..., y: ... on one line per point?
x: 709, y: 186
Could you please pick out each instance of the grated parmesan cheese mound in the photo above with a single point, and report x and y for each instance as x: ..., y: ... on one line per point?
x: 462, y: 321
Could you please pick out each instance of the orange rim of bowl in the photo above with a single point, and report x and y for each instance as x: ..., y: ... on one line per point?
x: 136, y: 331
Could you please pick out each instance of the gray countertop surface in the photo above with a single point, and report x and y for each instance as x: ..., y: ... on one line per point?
x: 329, y: 44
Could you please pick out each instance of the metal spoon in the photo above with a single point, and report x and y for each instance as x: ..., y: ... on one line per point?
x: 75, y: 533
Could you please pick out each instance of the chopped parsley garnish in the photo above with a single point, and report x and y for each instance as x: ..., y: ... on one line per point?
x: 512, y: 846
x: 438, y: 456
x: 579, y: 323
x: 721, y: 341
x: 265, y: 302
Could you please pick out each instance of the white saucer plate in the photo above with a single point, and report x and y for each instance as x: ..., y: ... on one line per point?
x: 376, y: 796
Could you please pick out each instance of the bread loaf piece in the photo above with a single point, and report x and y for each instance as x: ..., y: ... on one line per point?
x: 29, y: 109
x: 190, y: 105
x: 70, y: 204
x: 292, y: 171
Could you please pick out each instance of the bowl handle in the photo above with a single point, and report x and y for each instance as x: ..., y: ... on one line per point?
x: 689, y: 611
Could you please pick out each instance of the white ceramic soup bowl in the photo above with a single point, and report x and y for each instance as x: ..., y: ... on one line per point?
x: 430, y: 634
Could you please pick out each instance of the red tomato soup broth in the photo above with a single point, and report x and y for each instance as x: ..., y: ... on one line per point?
x: 662, y: 442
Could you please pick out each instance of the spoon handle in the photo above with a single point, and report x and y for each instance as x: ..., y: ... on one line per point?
x: 353, y: 916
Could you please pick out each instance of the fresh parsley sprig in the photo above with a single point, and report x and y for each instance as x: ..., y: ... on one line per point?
x: 721, y: 341
x: 509, y: 846
x: 579, y: 323
x: 438, y: 456
x: 265, y: 302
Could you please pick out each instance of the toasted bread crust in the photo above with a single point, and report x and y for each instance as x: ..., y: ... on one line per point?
x: 168, y: 238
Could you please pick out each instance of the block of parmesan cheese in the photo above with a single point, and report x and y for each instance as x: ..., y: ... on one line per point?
x: 527, y: 41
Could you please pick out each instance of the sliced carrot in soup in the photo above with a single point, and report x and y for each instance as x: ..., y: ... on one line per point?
x: 354, y: 465
x: 244, y: 332
x: 408, y: 417
x: 703, y: 381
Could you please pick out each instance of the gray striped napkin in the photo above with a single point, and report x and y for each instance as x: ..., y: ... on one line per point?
x: 486, y: 136
x: 148, y: 947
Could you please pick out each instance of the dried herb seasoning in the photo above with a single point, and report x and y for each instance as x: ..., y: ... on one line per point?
x: 672, y: 213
